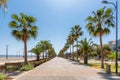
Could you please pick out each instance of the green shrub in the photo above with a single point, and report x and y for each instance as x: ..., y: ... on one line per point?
x: 37, y: 63
x: 27, y: 67
x: 10, y: 68
x: 2, y: 76
x: 13, y: 67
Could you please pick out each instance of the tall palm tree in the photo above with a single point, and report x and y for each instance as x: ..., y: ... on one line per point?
x: 76, y: 32
x: 99, y: 24
x: 63, y: 51
x: 51, y: 53
x: 42, y: 44
x: 48, y: 47
x: 23, y: 28
x: 86, y: 47
x: 70, y: 41
x: 66, y: 47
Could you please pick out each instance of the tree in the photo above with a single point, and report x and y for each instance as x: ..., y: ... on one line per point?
x: 45, y: 45
x: 63, y: 51
x: 3, y: 4
x: 51, y: 53
x: 23, y: 28
x: 86, y: 46
x: 48, y: 47
x: 37, y: 51
x: 76, y: 32
x: 99, y: 24
x: 71, y: 42
x: 106, y: 50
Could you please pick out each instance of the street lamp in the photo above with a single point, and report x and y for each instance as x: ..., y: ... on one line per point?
x: 116, y: 8
x: 6, y: 51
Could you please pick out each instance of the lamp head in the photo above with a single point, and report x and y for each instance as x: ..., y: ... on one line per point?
x: 104, y: 2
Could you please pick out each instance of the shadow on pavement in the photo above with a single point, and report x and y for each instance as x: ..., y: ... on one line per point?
x: 74, y: 62
x: 14, y: 73
x: 108, y: 76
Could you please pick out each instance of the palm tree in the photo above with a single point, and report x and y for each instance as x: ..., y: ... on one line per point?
x: 76, y: 32
x: 42, y: 44
x: 106, y: 50
x: 61, y: 53
x: 3, y: 3
x: 99, y: 24
x: 23, y: 29
x: 51, y: 53
x: 37, y: 51
x: 86, y: 46
x: 45, y: 45
x: 48, y: 47
x: 70, y: 41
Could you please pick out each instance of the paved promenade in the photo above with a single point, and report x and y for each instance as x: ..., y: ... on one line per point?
x: 62, y: 69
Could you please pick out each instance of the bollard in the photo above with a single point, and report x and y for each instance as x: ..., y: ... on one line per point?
x: 108, y: 69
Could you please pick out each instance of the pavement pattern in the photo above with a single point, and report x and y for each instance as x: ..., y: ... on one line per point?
x: 63, y: 69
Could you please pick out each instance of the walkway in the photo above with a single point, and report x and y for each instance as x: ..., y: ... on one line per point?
x: 62, y: 69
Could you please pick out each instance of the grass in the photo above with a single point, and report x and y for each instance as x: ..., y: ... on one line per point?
x: 2, y: 76
x: 97, y: 66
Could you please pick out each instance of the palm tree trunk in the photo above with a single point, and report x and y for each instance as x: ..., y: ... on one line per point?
x: 72, y: 51
x: 77, y: 49
x: 102, y: 57
x: 49, y: 56
x: 66, y: 55
x: 43, y: 54
x: 25, y: 52
x: 46, y: 54
x: 85, y: 58
x: 38, y: 57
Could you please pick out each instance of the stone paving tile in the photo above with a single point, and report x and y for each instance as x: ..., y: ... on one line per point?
x: 62, y: 69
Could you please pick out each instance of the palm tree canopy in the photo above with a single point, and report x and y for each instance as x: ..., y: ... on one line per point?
x: 100, y: 22
x: 70, y: 39
x: 76, y: 31
x: 66, y: 46
x: 3, y: 4
x: 45, y: 45
x: 36, y: 51
x: 23, y: 27
x: 86, y: 45
x: 106, y: 49
x: 52, y: 52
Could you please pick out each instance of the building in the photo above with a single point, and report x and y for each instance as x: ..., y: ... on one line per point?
x: 113, y: 43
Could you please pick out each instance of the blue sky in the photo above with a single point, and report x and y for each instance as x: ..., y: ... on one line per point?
x: 54, y: 20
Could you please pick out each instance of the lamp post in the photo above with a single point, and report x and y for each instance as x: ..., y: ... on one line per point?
x: 116, y: 8
x: 6, y: 51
